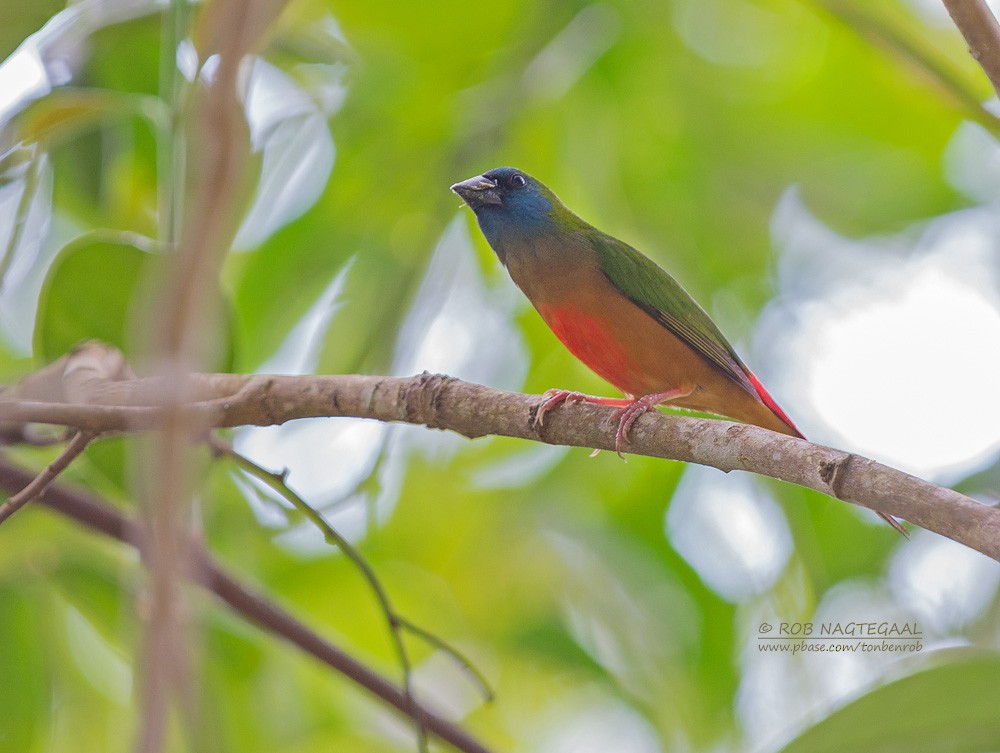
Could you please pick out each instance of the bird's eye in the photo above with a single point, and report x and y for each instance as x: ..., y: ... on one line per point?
x: 518, y: 181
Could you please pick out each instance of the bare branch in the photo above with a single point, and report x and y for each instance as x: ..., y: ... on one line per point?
x: 473, y: 410
x: 101, y: 517
x: 36, y: 487
x: 982, y: 33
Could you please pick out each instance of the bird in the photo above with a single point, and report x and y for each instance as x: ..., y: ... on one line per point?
x: 616, y: 310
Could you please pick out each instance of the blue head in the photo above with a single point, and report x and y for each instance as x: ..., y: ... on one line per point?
x: 509, y: 205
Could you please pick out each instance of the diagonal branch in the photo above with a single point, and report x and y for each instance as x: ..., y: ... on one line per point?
x: 101, y: 517
x: 982, y: 33
x: 396, y: 622
x: 442, y: 402
x: 36, y: 487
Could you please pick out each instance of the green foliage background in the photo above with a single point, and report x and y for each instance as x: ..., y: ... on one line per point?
x: 676, y: 125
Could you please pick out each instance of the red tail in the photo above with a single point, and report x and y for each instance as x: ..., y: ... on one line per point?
x: 769, y: 401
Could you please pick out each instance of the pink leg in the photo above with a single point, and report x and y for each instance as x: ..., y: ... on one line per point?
x: 627, y: 414
x: 552, y: 398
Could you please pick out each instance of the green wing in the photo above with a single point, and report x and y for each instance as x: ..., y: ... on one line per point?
x: 659, y: 294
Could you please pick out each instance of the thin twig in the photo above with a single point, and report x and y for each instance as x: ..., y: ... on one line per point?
x: 278, y: 482
x: 982, y: 33
x: 99, y: 516
x: 464, y: 662
x: 38, y: 484
x: 395, y: 621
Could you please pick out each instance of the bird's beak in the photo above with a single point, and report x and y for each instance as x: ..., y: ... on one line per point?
x: 478, y: 191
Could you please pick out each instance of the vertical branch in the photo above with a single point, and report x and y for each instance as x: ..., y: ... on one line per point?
x: 982, y: 33
x: 170, y: 147
x: 161, y: 655
x: 184, y: 322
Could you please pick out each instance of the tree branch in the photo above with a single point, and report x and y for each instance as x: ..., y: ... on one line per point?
x: 184, y: 322
x: 982, y: 33
x: 441, y: 402
x: 36, y: 487
x: 101, y: 517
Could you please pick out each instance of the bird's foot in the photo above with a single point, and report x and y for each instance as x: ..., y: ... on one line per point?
x: 628, y: 413
x: 552, y: 398
x: 626, y: 416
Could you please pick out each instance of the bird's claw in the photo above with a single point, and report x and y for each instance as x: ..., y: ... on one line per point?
x: 552, y: 398
x: 630, y: 409
x: 627, y: 415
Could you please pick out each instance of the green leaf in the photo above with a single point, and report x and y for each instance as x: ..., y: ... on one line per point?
x: 23, y: 17
x: 64, y: 113
x: 951, y: 707
x: 89, y: 295
x: 101, y: 287
x: 23, y: 699
x: 93, y: 586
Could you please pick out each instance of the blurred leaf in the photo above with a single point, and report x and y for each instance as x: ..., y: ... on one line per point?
x: 19, y: 18
x: 125, y: 50
x: 20, y: 166
x: 101, y: 287
x: 65, y: 112
x: 97, y: 591
x: 109, y: 458
x: 951, y: 707
x: 89, y: 294
x: 22, y: 662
